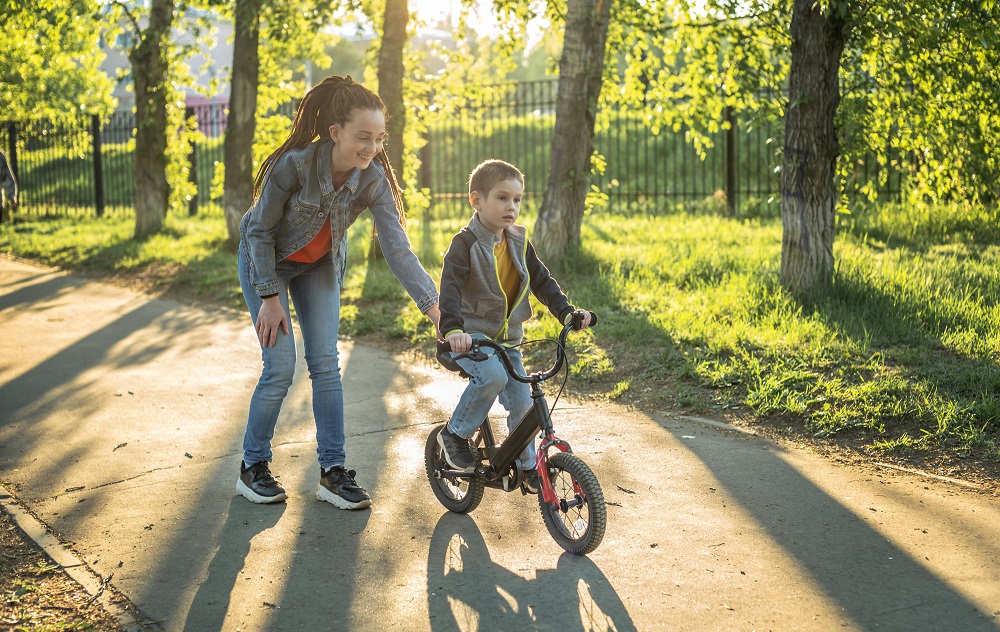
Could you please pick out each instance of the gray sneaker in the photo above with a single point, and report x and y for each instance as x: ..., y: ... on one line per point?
x: 257, y: 485
x: 457, y: 451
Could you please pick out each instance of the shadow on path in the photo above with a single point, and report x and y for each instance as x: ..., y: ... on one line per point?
x: 876, y: 583
x: 465, y: 588
x: 243, y: 522
x: 33, y: 292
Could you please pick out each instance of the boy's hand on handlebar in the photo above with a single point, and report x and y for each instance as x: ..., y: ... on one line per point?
x: 460, y: 342
x: 581, y: 319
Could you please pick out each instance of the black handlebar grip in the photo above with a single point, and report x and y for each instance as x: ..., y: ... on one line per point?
x: 577, y: 319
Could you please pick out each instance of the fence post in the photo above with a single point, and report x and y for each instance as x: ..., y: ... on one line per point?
x: 193, y: 167
x: 95, y: 130
x: 731, y: 161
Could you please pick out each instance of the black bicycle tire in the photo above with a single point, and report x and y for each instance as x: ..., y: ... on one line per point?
x: 434, y: 461
x: 597, y: 512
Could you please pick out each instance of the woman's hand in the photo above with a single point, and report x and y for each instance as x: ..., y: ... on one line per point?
x: 434, y: 313
x: 269, y: 318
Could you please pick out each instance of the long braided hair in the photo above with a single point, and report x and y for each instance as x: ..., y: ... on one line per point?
x: 331, y: 102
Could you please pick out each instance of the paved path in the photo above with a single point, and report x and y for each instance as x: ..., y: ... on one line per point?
x: 121, y: 419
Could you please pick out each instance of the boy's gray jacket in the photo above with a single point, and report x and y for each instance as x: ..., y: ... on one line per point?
x: 297, y: 197
x: 472, y: 300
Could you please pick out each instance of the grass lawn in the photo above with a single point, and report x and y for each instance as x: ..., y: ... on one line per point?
x: 898, y: 360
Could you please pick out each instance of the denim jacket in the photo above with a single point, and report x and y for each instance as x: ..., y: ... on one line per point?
x: 294, y: 203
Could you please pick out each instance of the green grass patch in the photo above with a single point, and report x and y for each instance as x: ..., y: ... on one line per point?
x: 901, y: 353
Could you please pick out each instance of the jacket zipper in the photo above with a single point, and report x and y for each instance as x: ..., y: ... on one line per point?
x: 525, y: 284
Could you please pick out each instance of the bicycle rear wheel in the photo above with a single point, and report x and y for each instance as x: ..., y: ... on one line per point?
x: 460, y: 495
x: 577, y: 524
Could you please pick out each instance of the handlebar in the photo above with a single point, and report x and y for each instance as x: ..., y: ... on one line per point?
x: 476, y: 354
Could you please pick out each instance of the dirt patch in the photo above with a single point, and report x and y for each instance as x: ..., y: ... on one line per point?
x: 36, y: 594
x: 856, y: 451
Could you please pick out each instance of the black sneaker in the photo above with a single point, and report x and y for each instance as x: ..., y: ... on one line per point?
x: 529, y: 481
x: 457, y: 451
x: 338, y: 487
x: 257, y: 485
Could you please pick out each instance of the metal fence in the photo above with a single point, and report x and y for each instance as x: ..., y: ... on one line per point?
x: 89, y: 168
x: 642, y: 170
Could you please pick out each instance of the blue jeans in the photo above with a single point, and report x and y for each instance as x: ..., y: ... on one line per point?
x: 315, y: 292
x: 489, y: 381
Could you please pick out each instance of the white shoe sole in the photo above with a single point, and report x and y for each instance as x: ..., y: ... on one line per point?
x: 254, y: 497
x: 325, y: 494
x: 444, y: 453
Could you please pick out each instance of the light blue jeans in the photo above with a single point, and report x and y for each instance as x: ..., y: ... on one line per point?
x: 489, y: 381
x: 315, y: 293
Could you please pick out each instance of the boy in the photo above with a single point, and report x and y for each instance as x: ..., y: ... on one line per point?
x: 488, y: 270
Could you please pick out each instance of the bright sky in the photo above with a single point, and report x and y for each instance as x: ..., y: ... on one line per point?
x: 482, y: 17
x: 431, y: 11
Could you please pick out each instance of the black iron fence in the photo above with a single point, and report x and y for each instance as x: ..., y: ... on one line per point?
x: 740, y: 168
x: 89, y: 167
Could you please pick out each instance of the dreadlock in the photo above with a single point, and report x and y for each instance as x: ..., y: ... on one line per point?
x: 331, y: 102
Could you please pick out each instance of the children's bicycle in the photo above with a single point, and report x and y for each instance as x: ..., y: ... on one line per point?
x: 569, y: 495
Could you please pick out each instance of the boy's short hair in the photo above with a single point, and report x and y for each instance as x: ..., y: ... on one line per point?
x: 490, y: 173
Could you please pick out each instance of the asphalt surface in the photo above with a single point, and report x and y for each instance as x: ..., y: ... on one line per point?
x: 121, y: 420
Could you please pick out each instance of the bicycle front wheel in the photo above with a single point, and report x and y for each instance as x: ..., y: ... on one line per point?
x: 460, y: 495
x: 577, y: 523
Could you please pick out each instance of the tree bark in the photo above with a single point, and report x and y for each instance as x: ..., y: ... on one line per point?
x: 149, y: 67
x: 809, y: 193
x: 581, y: 67
x: 241, y: 122
x: 390, y: 88
x: 390, y: 78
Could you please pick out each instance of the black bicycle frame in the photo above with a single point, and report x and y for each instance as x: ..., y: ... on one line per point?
x: 501, y: 457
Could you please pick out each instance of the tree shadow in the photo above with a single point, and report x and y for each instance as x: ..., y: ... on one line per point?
x: 877, y: 584
x: 465, y: 588
x: 924, y: 238
x: 46, y: 388
x: 32, y: 292
x: 243, y: 522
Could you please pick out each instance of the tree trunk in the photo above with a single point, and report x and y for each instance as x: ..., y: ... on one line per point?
x: 149, y: 67
x: 809, y: 194
x: 242, y: 120
x: 557, y: 230
x: 390, y: 78
x: 390, y: 88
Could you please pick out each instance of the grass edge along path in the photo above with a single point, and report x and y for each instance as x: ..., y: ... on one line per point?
x: 897, y: 361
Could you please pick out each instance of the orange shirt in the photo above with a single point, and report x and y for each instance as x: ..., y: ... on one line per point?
x: 318, y: 246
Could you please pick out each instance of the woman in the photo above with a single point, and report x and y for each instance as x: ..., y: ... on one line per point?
x: 293, y: 241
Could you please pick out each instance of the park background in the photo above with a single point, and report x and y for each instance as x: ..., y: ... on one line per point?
x: 891, y: 353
